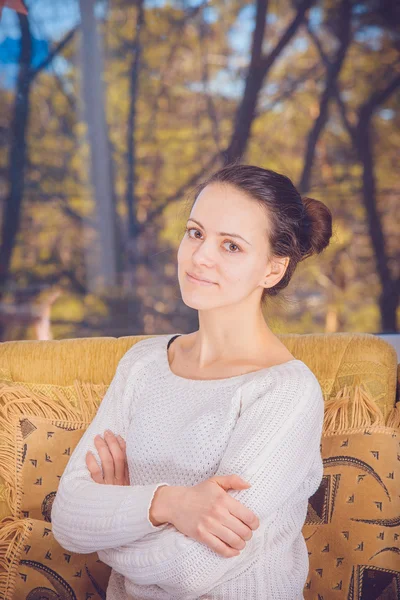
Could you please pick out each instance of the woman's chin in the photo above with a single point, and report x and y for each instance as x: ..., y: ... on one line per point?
x: 193, y: 303
x: 195, y: 300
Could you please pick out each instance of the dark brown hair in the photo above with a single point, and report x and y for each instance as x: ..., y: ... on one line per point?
x: 300, y: 227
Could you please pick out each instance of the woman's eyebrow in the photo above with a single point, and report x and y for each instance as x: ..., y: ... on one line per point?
x: 221, y: 232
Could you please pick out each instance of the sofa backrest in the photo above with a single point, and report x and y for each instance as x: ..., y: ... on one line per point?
x: 336, y: 359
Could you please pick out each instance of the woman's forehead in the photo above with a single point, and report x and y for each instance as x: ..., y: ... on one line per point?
x: 228, y: 210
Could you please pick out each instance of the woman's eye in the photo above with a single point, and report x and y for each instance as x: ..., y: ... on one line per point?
x: 232, y: 244
x: 189, y: 229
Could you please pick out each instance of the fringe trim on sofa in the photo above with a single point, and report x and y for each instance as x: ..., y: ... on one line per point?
x: 393, y: 418
x: 364, y: 411
x: 19, y: 400
x: 13, y: 533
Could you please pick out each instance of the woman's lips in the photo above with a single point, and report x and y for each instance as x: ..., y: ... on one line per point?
x: 194, y: 280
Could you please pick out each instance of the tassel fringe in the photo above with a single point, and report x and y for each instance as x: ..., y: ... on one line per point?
x: 393, y: 418
x: 13, y: 534
x: 19, y: 400
x: 354, y: 408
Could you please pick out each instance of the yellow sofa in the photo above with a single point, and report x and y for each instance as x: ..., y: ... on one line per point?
x: 50, y: 391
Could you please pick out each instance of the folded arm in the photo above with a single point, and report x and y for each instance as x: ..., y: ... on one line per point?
x: 88, y: 516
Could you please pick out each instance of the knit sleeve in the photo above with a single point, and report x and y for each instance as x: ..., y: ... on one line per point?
x: 87, y: 516
x: 282, y: 467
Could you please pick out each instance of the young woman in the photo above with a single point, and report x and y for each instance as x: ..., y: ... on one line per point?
x: 214, y: 446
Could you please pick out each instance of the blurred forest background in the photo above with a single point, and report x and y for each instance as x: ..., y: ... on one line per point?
x: 112, y: 111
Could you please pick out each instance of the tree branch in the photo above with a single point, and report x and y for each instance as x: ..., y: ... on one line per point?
x: 53, y: 53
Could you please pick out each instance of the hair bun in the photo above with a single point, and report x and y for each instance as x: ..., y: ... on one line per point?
x: 321, y: 225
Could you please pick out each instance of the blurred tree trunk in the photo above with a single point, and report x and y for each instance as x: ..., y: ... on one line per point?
x: 333, y: 68
x: 18, y: 149
x: 362, y: 136
x: 17, y: 158
x: 101, y: 257
x: 259, y: 68
x: 133, y: 229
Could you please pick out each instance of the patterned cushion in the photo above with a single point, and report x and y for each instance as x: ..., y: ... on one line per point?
x: 35, y: 447
x: 352, y: 528
x: 43, y: 448
x: 34, y: 565
x: 74, y: 405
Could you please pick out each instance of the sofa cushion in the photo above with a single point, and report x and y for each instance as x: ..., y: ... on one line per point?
x: 34, y: 565
x: 43, y: 448
x: 352, y: 528
x: 35, y: 447
x: 72, y: 406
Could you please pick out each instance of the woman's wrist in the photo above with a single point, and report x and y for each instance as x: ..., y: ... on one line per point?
x: 164, y: 500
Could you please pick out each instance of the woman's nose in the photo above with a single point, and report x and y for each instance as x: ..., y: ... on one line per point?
x: 204, y: 254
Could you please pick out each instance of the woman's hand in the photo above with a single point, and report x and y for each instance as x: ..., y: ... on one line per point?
x: 206, y: 513
x: 112, y: 452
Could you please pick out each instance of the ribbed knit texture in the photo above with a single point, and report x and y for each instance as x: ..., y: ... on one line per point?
x: 264, y: 426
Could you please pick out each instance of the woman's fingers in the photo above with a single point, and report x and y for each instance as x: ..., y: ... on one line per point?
x: 94, y: 468
x: 112, y: 453
x: 122, y: 444
x: 107, y: 461
x: 118, y: 456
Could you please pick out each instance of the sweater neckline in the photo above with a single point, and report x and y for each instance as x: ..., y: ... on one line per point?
x: 222, y: 381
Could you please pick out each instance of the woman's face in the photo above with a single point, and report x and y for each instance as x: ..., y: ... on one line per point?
x: 235, y: 266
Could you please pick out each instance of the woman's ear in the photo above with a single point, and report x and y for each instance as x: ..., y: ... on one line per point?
x: 278, y: 266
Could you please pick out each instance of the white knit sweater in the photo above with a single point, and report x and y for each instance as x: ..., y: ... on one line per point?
x: 264, y: 426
